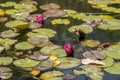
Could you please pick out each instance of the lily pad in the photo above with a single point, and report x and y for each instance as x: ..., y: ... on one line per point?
x: 67, y: 63
x: 5, y: 60
x: 26, y: 63
x: 60, y: 21
x: 11, y: 11
x: 44, y: 65
x: 94, y: 54
x: 54, y: 13
x: 108, y: 62
x: 5, y: 73
x: 49, y: 6
x: 115, y: 69
x: 8, y: 4
x: 110, y: 25
x: 113, y: 51
x: 84, y: 28
x: 42, y: 32
x: 29, y: 2
x: 38, y: 56
x: 3, y: 19
x: 32, y: 17
x: 23, y: 46
x: 38, y: 41
x: 90, y: 43
x: 19, y: 24
x: 58, y: 53
x: 9, y: 34
x: 35, y: 25
x: 51, y: 75
x: 1, y: 48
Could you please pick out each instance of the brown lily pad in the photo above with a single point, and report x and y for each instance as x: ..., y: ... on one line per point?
x: 49, y: 6
x: 32, y: 17
x: 3, y: 19
x: 38, y: 56
x: 54, y: 13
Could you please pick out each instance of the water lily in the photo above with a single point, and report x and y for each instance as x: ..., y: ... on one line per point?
x: 69, y: 49
x: 40, y: 19
x: 106, y: 44
x: 81, y: 36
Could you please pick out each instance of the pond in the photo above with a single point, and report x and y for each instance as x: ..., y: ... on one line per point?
x: 60, y: 40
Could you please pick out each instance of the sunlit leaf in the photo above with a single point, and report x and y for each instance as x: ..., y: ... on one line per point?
x: 8, y: 4
x: 108, y: 62
x: 5, y: 60
x: 11, y: 11
x: 26, y: 62
x: 23, y: 46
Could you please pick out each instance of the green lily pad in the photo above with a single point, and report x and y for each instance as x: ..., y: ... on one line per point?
x: 110, y: 25
x: 49, y: 6
x: 54, y: 50
x: 60, y: 21
x: 26, y: 63
x: 5, y: 73
x: 108, y: 62
x: 1, y: 48
x: 42, y: 32
x: 113, y: 51
x: 115, y: 69
x: 8, y: 4
x: 44, y: 65
x: 23, y: 46
x: 84, y: 28
x: 19, y: 24
x: 67, y: 63
x: 5, y: 60
x: 51, y: 75
x: 35, y: 25
x: 90, y: 43
x: 11, y: 11
x: 38, y: 41
x: 9, y: 34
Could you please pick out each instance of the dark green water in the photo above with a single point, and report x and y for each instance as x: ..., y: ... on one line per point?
x: 64, y: 36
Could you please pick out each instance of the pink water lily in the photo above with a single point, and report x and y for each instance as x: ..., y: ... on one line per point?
x: 39, y: 19
x: 106, y: 45
x: 69, y: 49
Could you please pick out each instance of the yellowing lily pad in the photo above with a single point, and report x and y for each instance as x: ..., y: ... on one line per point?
x: 23, y: 46
x: 5, y: 60
x: 8, y: 4
x: 11, y: 11
x: 115, y: 69
x: 90, y: 43
x: 67, y: 63
x: 60, y: 21
x: 108, y: 62
x: 51, y: 75
x: 42, y: 32
x: 84, y: 28
x: 19, y: 24
x: 26, y: 63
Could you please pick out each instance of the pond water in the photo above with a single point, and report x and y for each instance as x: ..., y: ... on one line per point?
x: 63, y: 37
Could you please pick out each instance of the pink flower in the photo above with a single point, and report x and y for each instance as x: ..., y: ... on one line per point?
x: 68, y: 48
x: 81, y: 35
x: 39, y: 18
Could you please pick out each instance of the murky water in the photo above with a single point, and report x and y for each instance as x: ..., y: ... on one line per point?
x: 64, y: 36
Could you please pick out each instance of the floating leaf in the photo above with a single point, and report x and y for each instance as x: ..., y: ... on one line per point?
x: 38, y: 41
x: 94, y: 54
x: 5, y: 60
x: 35, y: 25
x: 29, y: 2
x: 113, y: 51
x: 8, y: 4
x: 115, y: 69
x: 9, y: 34
x: 110, y: 25
x: 42, y: 32
x: 1, y: 48
x: 2, y: 13
x: 26, y: 63
x: 108, y: 62
x: 23, y: 46
x: 35, y: 72
x: 67, y: 63
x: 54, y: 13
x: 90, y: 43
x: 3, y: 19
x: 5, y: 73
x: 44, y: 65
x: 11, y: 11
x: 33, y: 17
x: 49, y: 6
x: 60, y: 21
x: 17, y: 24
x: 38, y: 56
x: 51, y: 75
x: 86, y: 29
